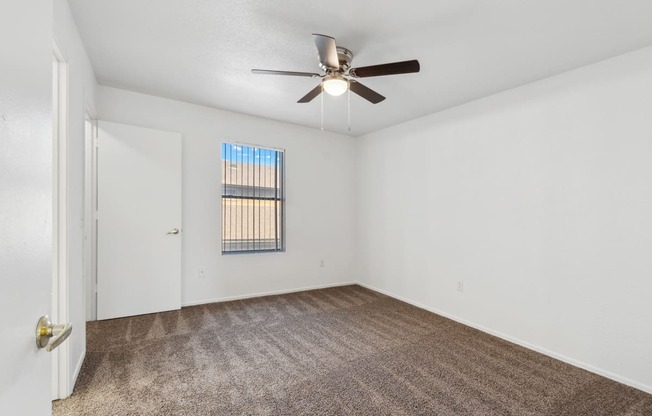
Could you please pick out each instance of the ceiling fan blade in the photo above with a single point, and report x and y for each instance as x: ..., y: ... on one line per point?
x: 327, y: 51
x: 291, y: 73
x: 365, y: 92
x: 311, y: 95
x: 394, y: 68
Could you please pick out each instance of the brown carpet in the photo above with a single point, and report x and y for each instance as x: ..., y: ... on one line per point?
x: 339, y: 351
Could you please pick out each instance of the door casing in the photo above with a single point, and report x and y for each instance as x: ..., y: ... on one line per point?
x: 61, y: 359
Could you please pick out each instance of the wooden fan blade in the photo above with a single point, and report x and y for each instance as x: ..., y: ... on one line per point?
x: 327, y: 51
x: 365, y: 92
x: 394, y: 68
x: 290, y: 73
x: 311, y: 95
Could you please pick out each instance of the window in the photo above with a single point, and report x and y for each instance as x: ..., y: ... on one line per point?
x: 252, y: 199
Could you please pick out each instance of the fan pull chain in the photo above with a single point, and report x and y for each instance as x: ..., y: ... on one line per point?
x: 322, y: 107
x: 348, y: 91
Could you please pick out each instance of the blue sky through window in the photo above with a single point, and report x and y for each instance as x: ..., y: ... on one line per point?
x: 246, y: 154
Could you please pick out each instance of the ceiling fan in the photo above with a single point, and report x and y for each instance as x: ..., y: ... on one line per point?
x: 335, y: 61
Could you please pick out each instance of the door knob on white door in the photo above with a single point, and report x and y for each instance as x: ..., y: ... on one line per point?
x: 50, y: 336
x: 174, y: 231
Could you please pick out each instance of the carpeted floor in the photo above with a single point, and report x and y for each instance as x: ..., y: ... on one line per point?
x: 339, y: 351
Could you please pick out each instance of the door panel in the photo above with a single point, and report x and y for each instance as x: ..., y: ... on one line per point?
x: 25, y: 204
x: 139, y: 203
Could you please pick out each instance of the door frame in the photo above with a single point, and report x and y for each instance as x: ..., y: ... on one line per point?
x: 90, y: 210
x: 61, y: 360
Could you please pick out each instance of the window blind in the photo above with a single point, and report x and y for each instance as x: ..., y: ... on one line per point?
x: 252, y: 199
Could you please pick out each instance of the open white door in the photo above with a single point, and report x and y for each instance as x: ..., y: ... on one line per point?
x: 25, y: 204
x: 139, y: 220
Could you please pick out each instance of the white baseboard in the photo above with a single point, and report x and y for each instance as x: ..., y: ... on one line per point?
x: 261, y: 294
x: 560, y: 357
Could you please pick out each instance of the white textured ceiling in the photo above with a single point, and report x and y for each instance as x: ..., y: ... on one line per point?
x: 201, y: 51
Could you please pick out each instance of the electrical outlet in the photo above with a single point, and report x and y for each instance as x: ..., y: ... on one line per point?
x: 460, y: 286
x: 321, y: 263
x: 202, y: 272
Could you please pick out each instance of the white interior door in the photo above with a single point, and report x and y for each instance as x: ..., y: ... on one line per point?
x: 25, y: 204
x: 139, y: 209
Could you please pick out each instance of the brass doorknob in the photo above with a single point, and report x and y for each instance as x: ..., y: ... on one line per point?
x: 50, y: 336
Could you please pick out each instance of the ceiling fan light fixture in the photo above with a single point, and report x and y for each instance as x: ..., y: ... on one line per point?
x: 335, y: 61
x: 335, y: 85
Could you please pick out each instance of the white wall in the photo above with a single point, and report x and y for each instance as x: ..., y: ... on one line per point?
x: 539, y: 199
x: 319, y: 188
x: 81, y: 83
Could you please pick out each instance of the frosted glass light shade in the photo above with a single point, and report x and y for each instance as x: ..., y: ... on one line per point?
x: 335, y: 86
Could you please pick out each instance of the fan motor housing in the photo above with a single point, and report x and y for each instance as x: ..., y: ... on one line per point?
x: 344, y: 56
